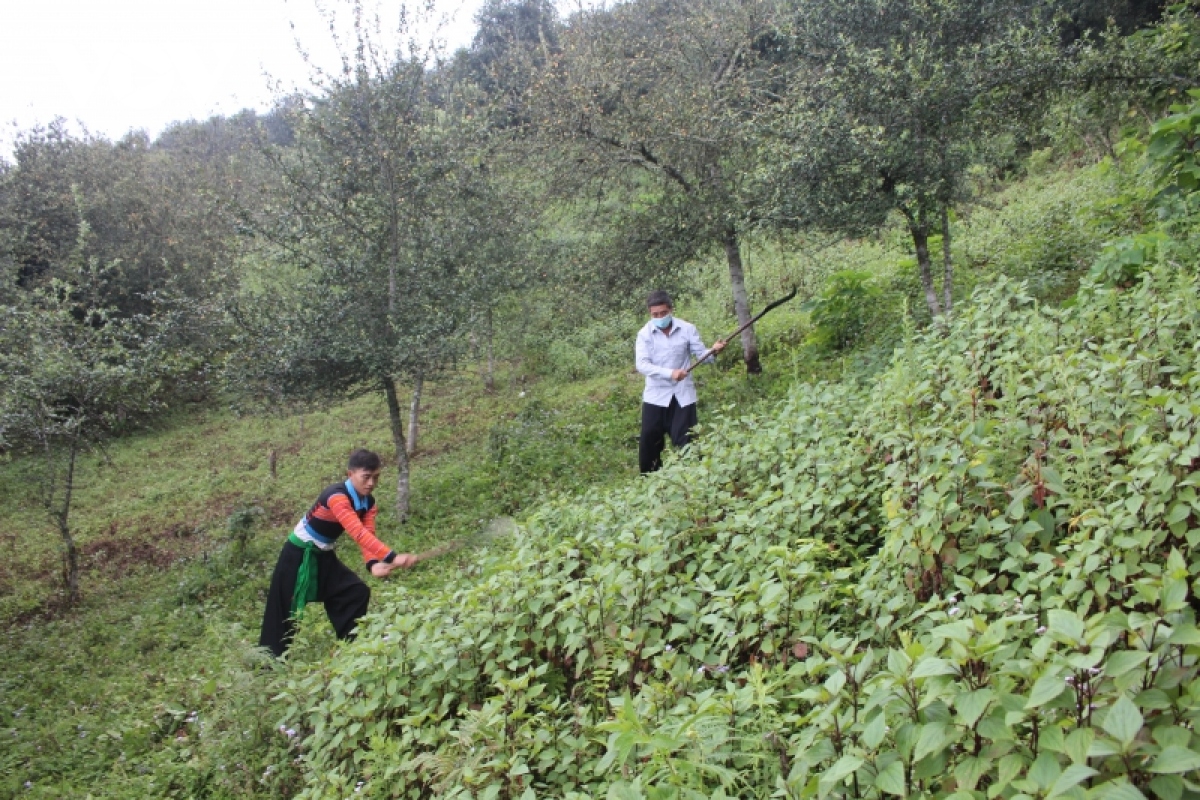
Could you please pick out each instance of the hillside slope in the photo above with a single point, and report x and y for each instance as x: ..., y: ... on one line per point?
x: 973, y: 578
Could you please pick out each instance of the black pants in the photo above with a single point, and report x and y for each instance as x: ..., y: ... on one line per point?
x: 657, y: 423
x: 344, y: 594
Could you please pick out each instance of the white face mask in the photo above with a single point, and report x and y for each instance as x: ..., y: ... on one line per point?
x: 662, y: 323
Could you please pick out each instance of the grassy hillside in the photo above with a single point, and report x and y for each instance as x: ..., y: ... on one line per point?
x: 973, y: 578
x: 181, y: 527
x: 152, y: 688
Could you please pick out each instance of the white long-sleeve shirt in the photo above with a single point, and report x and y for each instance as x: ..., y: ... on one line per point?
x: 658, y: 354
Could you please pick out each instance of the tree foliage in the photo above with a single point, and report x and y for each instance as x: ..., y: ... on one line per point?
x: 894, y: 106
x: 78, y: 372
x: 382, y: 237
x: 658, y: 94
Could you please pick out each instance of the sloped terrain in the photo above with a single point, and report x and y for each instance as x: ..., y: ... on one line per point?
x: 973, y: 578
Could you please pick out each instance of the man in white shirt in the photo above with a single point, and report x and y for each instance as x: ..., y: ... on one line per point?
x: 664, y: 349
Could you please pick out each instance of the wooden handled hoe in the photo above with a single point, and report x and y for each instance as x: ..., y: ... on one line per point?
x: 500, y: 526
x: 741, y: 328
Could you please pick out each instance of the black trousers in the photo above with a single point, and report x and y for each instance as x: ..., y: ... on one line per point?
x: 344, y: 594
x: 659, y: 422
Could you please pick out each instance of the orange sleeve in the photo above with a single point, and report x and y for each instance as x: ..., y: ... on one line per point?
x: 362, y: 532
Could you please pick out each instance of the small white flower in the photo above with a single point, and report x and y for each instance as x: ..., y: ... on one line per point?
x: 954, y: 611
x: 521, y: 394
x: 1041, y: 629
x: 668, y: 648
x: 700, y: 669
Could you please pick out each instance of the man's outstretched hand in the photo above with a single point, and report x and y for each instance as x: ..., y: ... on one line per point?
x: 381, y: 569
x: 719, y: 345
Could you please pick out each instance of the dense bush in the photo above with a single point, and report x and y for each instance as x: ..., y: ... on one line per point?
x: 973, y: 580
x: 841, y: 312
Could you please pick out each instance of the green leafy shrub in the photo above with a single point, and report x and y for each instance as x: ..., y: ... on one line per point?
x: 841, y: 312
x: 1123, y: 262
x: 1172, y: 156
x: 1174, y: 147
x: 972, y: 579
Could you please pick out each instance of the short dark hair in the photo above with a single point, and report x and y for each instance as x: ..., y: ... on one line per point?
x: 659, y: 298
x: 364, y: 459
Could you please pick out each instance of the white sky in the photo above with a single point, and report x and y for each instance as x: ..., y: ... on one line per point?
x: 120, y: 65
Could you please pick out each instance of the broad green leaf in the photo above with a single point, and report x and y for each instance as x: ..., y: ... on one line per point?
x: 1051, y: 739
x: 971, y: 706
x: 1044, y: 771
x: 970, y: 770
x: 1116, y: 790
x: 931, y: 667
x: 1123, y: 661
x: 1065, y: 623
x: 1046, y: 689
x: 1185, y: 634
x: 1167, y: 787
x: 1078, y: 743
x: 934, y: 736
x: 890, y: 779
x: 843, y: 768
x: 1173, y: 735
x: 957, y: 631
x: 623, y: 790
x: 874, y: 731
x: 1123, y: 721
x: 1174, y: 594
x: 1072, y: 776
x: 1176, y: 759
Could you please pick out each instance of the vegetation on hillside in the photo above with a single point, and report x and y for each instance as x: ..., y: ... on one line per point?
x: 974, y: 576
x: 942, y: 546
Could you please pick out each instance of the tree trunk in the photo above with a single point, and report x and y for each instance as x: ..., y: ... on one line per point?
x: 414, y: 414
x: 947, y: 264
x: 920, y: 236
x: 63, y: 518
x: 741, y: 305
x: 397, y: 423
x: 489, y: 379
x: 394, y: 231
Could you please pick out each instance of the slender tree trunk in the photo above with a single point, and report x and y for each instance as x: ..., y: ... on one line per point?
x: 919, y: 228
x: 741, y: 305
x: 394, y: 235
x: 397, y: 422
x: 947, y: 264
x: 63, y: 518
x: 414, y: 414
x: 489, y: 379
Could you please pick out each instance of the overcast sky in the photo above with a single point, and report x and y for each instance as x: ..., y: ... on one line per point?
x: 120, y: 65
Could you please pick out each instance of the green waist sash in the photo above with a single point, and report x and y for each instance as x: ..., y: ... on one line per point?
x: 306, y: 577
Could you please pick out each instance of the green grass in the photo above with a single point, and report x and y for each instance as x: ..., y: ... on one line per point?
x: 97, y: 699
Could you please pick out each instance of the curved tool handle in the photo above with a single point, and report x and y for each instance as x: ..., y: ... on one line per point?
x: 741, y: 328
x: 440, y: 550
